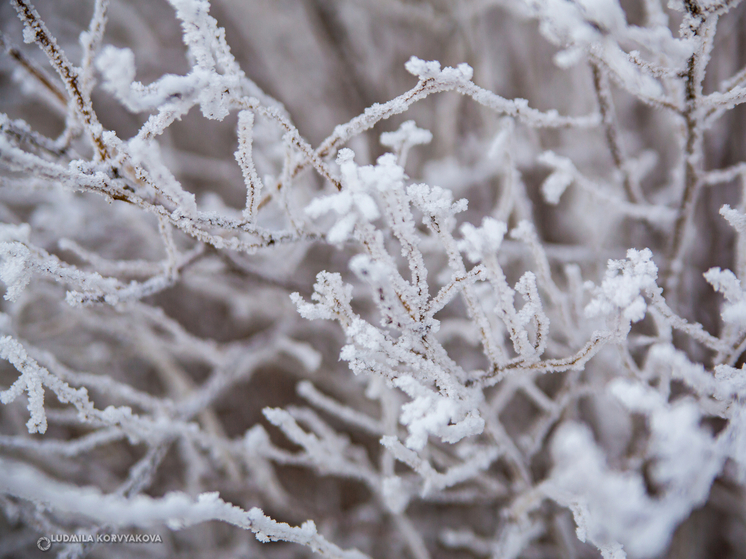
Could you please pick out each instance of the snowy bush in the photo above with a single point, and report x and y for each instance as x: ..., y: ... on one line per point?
x: 317, y: 288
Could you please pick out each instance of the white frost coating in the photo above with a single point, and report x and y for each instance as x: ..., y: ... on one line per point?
x: 636, y: 397
x: 731, y: 382
x: 354, y: 203
x: 347, y: 414
x: 245, y: 160
x: 20, y: 262
x: 606, y: 13
x: 624, y: 285
x: 332, y: 295
x: 481, y: 241
x: 686, y: 456
x: 266, y: 530
x: 687, y: 459
x: 557, y: 182
x: 30, y: 381
x: 726, y: 282
x: 429, y: 413
x: 474, y: 460
x: 612, y: 551
x: 555, y: 185
x: 736, y: 441
x: 117, y: 66
x: 606, y: 503
x: 431, y: 70
x: 15, y: 271
x: 385, y: 175
x: 612, y: 507
x: 596, y: 28
x: 394, y: 494
x: 147, y: 153
x: 501, y: 142
x: 463, y: 405
x: 175, y: 509
x: 364, y: 267
x: 407, y: 136
x: 726, y: 385
x: 435, y: 201
x: 736, y: 219
x: 533, y: 310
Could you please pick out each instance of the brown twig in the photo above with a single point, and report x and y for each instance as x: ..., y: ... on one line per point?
x: 67, y: 71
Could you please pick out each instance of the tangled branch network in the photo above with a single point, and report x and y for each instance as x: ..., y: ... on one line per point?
x: 496, y: 312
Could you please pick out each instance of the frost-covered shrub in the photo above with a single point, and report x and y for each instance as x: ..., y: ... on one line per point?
x: 322, y: 289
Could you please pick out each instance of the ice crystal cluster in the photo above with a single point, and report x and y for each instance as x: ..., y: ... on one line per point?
x: 373, y: 278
